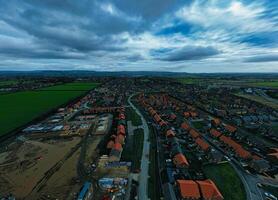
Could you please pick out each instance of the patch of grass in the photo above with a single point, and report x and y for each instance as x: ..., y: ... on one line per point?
x: 8, y: 82
x: 227, y: 181
x: 133, y: 117
x: 133, y: 151
x: 198, y: 124
x: 275, y: 129
x: 188, y: 80
x: 20, y: 108
x: 79, y: 86
x: 272, y: 84
x: 259, y: 100
x: 153, y: 184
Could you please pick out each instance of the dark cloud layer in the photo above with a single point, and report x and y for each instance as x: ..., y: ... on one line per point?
x: 263, y: 58
x: 190, y: 53
x: 136, y: 34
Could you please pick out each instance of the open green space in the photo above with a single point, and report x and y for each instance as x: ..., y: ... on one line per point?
x: 275, y: 129
x: 133, y: 117
x: 271, y: 84
x: 153, y: 182
x: 133, y: 150
x: 259, y: 100
x: 7, y: 82
x: 20, y: 108
x: 198, y: 124
x: 189, y: 80
x: 82, y: 86
x: 227, y: 181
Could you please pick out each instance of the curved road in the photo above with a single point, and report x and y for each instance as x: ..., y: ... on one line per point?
x: 144, y: 172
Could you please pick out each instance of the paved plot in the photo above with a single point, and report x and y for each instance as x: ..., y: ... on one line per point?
x: 144, y: 173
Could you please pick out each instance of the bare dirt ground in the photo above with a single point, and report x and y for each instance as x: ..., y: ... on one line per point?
x: 63, y: 184
x: 25, y: 163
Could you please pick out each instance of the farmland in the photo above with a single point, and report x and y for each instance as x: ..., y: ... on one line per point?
x: 226, y: 180
x: 71, y: 87
x: 271, y: 84
x: 8, y: 82
x: 189, y: 80
x: 19, y: 108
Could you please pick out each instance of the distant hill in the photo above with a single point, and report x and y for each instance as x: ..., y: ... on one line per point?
x: 83, y: 73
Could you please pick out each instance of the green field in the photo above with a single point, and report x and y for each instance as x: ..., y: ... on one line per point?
x: 9, y: 82
x: 189, y: 80
x: 20, y: 108
x: 259, y: 99
x: 226, y: 180
x: 133, y: 117
x: 72, y: 86
x: 272, y: 84
x: 153, y: 182
x: 133, y: 151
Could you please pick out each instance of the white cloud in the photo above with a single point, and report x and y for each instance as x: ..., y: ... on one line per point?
x: 234, y: 16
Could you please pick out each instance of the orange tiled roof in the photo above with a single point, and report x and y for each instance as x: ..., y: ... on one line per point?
x: 230, y: 128
x: 216, y: 121
x: 121, y: 129
x: 157, y: 118
x: 121, y: 116
x: 185, y: 126
x: 194, y: 133
x: 170, y: 133
x: 173, y: 116
x: 215, y: 132
x: 240, y: 151
x: 273, y: 155
x: 110, y: 144
x: 209, y: 190
x: 120, y: 139
x: 204, y: 145
x: 193, y: 114
x: 186, y: 114
x: 117, y: 146
x: 180, y: 160
x: 188, y: 189
x: 162, y: 123
x: 274, y: 150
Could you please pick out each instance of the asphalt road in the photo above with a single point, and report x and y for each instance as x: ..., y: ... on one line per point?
x: 144, y: 173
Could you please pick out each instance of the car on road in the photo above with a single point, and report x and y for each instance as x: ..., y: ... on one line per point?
x: 227, y: 158
x: 270, y: 196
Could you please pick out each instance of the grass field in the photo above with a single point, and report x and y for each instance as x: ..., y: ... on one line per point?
x: 133, y: 151
x: 272, y: 84
x: 259, y: 100
x: 153, y: 182
x: 198, y: 124
x: 72, y: 86
x: 133, y: 117
x: 9, y: 82
x: 226, y: 180
x: 20, y: 108
x: 189, y: 80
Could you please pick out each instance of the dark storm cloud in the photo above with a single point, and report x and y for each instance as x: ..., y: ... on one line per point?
x: 263, y: 58
x: 189, y: 53
x: 111, y: 34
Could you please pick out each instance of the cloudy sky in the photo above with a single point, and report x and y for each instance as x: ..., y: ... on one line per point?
x: 126, y: 35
